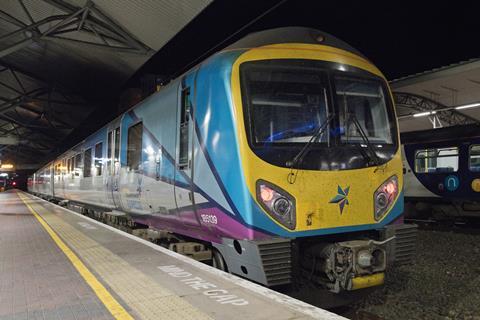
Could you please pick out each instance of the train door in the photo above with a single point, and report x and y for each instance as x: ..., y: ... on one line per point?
x: 63, y: 174
x: 132, y: 173
x: 184, y: 195
x: 113, y: 166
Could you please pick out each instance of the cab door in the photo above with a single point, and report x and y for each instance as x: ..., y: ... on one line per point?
x: 113, y: 166
x: 183, y: 190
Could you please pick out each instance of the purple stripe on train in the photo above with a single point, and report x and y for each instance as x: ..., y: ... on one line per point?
x: 205, y: 229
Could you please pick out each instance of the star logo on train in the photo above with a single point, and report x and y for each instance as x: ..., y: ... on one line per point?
x: 341, y: 198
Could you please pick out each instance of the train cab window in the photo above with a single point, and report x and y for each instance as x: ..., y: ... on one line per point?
x: 134, y: 146
x: 87, y: 163
x: 436, y: 160
x: 78, y: 164
x: 363, y: 101
x: 184, y: 127
x: 98, y: 158
x: 474, y: 158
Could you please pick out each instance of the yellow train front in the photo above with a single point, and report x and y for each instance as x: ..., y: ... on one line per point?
x: 318, y: 185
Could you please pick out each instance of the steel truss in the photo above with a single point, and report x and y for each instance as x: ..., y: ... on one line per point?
x: 38, y: 134
x: 88, y: 19
x: 441, y: 115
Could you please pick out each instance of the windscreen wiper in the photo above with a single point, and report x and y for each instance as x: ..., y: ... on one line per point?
x: 298, y: 159
x: 367, y: 142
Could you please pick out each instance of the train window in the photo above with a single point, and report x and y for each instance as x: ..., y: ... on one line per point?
x: 287, y: 105
x: 134, y: 146
x: 98, y: 159
x: 363, y: 101
x: 78, y: 164
x: 184, y: 127
x: 474, y: 158
x: 109, y: 152
x: 109, y: 145
x: 72, y: 164
x: 87, y: 163
x: 117, y: 145
x: 68, y: 165
x: 436, y: 160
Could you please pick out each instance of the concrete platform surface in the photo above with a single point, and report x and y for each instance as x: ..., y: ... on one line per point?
x: 58, y: 264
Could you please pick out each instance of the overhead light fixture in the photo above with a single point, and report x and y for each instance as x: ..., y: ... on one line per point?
x: 468, y: 106
x: 430, y: 113
x: 6, y: 166
x: 423, y: 114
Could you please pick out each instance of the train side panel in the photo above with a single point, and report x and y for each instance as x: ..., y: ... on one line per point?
x: 45, y: 183
x: 413, y: 187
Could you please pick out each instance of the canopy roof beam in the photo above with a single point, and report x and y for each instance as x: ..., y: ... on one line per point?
x: 418, y: 103
x: 110, y: 35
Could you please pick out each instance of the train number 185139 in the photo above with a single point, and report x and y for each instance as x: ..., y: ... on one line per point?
x: 209, y: 218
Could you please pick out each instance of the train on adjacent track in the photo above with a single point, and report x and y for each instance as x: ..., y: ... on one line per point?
x: 442, y: 173
x: 280, y: 153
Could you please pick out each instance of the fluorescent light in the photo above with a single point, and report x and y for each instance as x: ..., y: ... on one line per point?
x: 467, y: 106
x: 423, y: 114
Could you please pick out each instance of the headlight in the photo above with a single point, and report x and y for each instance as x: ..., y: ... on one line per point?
x: 385, y: 196
x: 278, y: 203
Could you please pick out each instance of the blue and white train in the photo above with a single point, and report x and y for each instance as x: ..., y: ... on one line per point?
x: 281, y: 153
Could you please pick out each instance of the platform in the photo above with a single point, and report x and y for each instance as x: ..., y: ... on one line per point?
x: 58, y: 264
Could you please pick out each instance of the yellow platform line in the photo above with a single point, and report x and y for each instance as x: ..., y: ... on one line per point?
x: 117, y: 311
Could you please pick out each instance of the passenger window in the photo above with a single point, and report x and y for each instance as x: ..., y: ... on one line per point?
x: 117, y: 145
x: 134, y: 146
x: 78, y: 164
x: 72, y: 164
x: 68, y: 165
x: 184, y: 127
x: 98, y: 159
x: 87, y: 163
x: 56, y: 174
x: 437, y: 160
x: 474, y: 158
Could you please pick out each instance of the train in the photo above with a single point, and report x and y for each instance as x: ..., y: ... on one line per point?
x: 279, y: 153
x: 442, y: 173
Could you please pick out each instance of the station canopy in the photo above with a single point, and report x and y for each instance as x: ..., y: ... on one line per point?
x: 440, y: 97
x: 59, y: 58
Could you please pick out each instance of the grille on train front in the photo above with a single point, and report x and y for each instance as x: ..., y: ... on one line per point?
x: 276, y: 258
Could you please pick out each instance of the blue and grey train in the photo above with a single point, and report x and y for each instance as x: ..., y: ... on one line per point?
x: 442, y: 172
x: 280, y: 153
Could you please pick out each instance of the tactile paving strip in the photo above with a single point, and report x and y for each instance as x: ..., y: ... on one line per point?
x: 142, y: 295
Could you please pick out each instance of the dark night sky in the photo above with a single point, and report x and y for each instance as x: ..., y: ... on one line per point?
x: 401, y: 37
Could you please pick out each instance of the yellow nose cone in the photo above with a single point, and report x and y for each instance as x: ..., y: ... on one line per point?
x: 476, y: 185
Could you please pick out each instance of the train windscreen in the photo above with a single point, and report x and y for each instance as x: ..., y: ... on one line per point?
x: 287, y: 101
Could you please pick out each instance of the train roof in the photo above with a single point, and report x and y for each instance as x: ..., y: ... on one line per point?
x: 292, y: 35
x: 441, y: 134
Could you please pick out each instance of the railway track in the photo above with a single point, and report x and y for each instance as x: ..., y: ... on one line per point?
x: 469, y: 226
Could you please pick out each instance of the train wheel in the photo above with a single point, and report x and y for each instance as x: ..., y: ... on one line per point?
x: 217, y: 261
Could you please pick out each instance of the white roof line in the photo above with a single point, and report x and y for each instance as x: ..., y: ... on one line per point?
x: 436, y: 73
